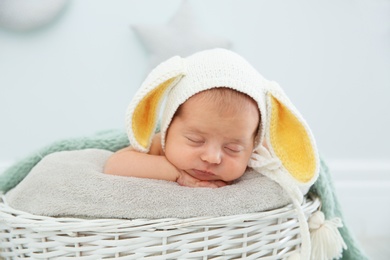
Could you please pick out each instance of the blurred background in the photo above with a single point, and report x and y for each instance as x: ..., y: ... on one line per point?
x: 70, y: 68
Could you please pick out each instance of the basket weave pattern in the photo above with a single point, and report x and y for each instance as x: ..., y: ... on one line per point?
x: 267, y: 235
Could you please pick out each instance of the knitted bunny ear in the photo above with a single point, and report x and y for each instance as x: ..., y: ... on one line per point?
x: 290, y: 140
x: 143, y: 111
x: 290, y: 157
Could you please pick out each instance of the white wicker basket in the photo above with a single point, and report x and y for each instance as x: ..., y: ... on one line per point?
x: 267, y: 235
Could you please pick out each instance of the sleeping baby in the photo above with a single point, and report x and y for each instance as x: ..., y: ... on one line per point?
x: 219, y: 117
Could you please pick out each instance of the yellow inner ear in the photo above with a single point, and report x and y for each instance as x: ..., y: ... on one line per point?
x: 146, y: 114
x: 291, y: 142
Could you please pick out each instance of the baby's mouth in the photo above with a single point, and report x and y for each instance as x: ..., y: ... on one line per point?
x: 203, y: 174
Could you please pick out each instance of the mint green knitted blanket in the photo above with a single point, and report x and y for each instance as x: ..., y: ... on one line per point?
x: 114, y: 140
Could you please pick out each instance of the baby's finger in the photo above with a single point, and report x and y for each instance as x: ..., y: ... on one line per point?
x: 207, y: 184
x: 220, y: 183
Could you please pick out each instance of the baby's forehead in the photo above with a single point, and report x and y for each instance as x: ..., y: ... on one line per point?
x: 223, y: 98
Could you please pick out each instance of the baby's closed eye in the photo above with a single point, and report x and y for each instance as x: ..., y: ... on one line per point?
x: 235, y: 148
x: 195, y: 139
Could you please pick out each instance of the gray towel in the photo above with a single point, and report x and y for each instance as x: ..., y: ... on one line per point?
x: 72, y: 183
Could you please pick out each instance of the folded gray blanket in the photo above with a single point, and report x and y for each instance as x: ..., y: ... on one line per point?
x: 72, y: 183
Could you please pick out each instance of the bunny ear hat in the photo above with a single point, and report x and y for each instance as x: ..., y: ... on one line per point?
x: 291, y: 158
x: 282, y: 130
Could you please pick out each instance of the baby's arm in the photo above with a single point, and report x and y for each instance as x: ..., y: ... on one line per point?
x: 128, y: 162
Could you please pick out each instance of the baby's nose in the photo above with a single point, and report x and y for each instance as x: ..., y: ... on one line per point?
x: 212, y: 154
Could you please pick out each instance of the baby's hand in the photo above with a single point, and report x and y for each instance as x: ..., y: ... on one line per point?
x: 187, y: 180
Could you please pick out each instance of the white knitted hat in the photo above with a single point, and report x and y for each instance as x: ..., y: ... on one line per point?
x: 291, y: 158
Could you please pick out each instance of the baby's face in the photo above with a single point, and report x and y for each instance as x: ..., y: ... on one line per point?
x: 211, y: 143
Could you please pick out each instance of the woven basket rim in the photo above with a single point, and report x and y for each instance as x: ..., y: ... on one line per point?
x: 7, y: 212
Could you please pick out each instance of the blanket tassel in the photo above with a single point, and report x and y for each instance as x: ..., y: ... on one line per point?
x: 326, y: 240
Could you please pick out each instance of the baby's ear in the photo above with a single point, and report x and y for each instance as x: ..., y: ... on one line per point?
x: 143, y: 112
x: 290, y: 140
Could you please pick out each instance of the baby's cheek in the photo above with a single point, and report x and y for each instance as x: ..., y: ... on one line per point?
x: 178, y: 157
x: 234, y: 169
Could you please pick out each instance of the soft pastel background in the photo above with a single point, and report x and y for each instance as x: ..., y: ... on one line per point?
x: 76, y: 75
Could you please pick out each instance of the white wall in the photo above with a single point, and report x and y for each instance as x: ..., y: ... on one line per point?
x: 77, y: 76
x: 363, y: 188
